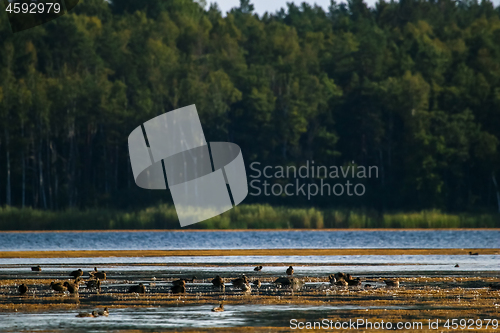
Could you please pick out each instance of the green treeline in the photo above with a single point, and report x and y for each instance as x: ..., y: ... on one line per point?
x: 412, y: 87
x: 244, y: 216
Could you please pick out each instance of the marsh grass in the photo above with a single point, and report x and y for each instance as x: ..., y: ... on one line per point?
x: 254, y: 216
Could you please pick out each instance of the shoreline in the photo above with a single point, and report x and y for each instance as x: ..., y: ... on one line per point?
x: 250, y: 230
x: 240, y: 252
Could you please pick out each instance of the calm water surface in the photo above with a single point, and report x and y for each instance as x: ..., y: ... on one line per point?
x: 164, y: 240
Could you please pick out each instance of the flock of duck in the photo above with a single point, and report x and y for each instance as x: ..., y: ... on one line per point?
x: 179, y: 286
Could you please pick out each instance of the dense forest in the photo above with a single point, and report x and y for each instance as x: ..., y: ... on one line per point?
x: 412, y: 87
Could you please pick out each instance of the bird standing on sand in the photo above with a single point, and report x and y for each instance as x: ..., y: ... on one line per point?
x: 219, y: 308
x: 342, y: 283
x: 98, y: 275
x: 392, y: 283
x: 285, y: 281
x: 289, y: 271
x: 218, y: 283
x: 76, y: 273
x: 94, y: 284
x: 179, y: 289
x: 72, y: 288
x: 36, y: 268
x: 239, y: 282
x: 258, y: 268
x: 23, y: 289
x: 140, y: 289
x: 58, y: 286
x: 246, y: 287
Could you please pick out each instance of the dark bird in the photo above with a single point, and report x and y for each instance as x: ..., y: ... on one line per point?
x: 219, y: 308
x: 98, y: 275
x: 246, y: 287
x: 23, y: 289
x: 104, y: 312
x: 339, y: 276
x: 239, y: 282
x: 392, y: 283
x: 257, y: 283
x: 140, y: 289
x: 94, y: 284
x: 58, y: 286
x: 218, y: 282
x: 179, y: 283
x: 341, y: 282
x: 180, y: 289
x: 285, y: 281
x: 354, y: 282
x: 182, y: 282
x: 258, y: 268
x: 457, y: 265
x: 85, y: 314
x: 76, y: 273
x: 72, y: 288
x: 473, y: 254
x: 36, y: 268
x: 332, y: 279
x: 289, y: 271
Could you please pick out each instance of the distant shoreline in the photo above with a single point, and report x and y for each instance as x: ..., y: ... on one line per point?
x: 239, y: 252
x: 249, y: 230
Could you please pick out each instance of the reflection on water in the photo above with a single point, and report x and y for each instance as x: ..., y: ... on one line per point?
x: 151, y: 319
x: 165, y: 240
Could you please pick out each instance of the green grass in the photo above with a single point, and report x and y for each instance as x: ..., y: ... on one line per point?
x: 241, y: 217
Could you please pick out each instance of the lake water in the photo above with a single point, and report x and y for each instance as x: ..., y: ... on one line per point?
x: 168, y: 240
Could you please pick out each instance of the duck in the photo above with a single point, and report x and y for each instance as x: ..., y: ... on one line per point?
x: 342, y: 283
x: 258, y: 268
x: 93, y: 284
x: 285, y: 281
x: 218, y: 283
x: 219, y: 308
x: 332, y: 279
x: 85, y: 314
x: 58, y: 286
x: 104, y: 312
x: 289, y: 271
x: 473, y: 254
x: 76, y: 273
x: 353, y: 282
x: 179, y: 283
x: 97, y: 274
x: 257, y: 283
x: 339, y: 275
x: 392, y: 283
x: 457, y: 265
x: 23, y: 289
x: 180, y: 289
x: 246, y: 287
x: 36, y: 268
x: 140, y: 289
x: 71, y: 287
x: 239, y: 281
